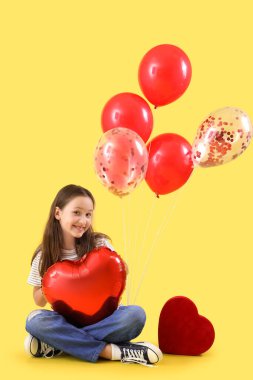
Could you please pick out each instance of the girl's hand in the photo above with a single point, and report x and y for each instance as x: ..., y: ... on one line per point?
x: 38, y: 296
x: 126, y: 267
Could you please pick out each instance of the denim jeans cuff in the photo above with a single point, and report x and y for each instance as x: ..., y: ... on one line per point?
x: 96, y: 354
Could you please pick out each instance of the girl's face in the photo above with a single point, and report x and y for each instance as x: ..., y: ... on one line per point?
x: 75, y: 218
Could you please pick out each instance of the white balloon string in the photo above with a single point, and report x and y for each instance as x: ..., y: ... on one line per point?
x: 125, y: 243
x: 160, y: 229
x: 136, y: 253
x: 136, y: 226
x: 129, y: 257
x: 139, y: 252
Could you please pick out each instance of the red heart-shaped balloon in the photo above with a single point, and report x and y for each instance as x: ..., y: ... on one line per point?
x: 182, y: 331
x: 87, y: 290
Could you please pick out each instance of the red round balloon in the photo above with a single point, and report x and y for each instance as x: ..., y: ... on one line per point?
x: 88, y: 290
x: 130, y: 111
x: 164, y: 74
x: 170, y: 163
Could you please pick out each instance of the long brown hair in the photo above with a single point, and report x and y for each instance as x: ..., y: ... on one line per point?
x: 52, y: 242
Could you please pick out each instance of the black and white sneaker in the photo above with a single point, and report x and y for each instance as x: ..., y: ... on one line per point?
x: 140, y: 352
x: 37, y: 348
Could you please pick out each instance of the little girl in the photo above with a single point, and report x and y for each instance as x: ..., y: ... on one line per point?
x: 69, y: 235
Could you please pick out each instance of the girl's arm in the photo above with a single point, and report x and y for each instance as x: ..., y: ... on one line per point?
x: 126, y: 267
x: 38, y: 296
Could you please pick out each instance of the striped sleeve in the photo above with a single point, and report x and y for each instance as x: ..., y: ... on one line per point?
x: 34, y: 277
x: 104, y: 243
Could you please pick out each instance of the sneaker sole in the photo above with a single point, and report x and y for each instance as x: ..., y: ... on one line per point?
x: 31, y: 345
x: 153, y: 348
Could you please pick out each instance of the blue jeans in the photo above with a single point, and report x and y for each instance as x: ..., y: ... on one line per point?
x: 87, y: 342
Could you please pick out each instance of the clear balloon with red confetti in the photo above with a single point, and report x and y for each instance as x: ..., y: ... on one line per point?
x: 222, y: 137
x: 121, y: 160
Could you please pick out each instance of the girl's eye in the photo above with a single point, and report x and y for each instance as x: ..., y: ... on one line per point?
x: 76, y: 212
x: 89, y: 215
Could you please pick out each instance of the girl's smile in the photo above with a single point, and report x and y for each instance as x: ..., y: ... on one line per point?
x: 80, y: 229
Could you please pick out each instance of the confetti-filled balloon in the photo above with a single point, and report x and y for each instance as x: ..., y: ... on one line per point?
x: 121, y: 160
x: 222, y: 137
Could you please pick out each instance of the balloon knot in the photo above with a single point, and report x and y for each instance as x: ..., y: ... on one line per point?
x: 157, y: 196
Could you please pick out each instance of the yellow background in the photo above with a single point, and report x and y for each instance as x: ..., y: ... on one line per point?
x: 60, y: 62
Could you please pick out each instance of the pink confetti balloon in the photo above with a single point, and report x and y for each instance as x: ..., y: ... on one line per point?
x: 121, y: 160
x: 222, y: 137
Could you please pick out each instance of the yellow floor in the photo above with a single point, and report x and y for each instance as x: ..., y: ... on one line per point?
x: 207, y: 366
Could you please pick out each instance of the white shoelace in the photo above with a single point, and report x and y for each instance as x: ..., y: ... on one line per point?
x: 46, y: 349
x: 134, y: 356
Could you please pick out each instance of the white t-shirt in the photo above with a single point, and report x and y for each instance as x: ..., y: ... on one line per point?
x: 34, y: 277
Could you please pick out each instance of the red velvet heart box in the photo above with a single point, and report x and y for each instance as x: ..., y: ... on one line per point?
x: 87, y: 290
x: 181, y: 330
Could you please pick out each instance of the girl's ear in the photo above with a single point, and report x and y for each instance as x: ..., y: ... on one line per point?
x: 57, y: 213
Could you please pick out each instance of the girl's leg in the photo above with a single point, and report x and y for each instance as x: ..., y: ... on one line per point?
x: 86, y: 343
x: 125, y: 324
x: 52, y: 328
